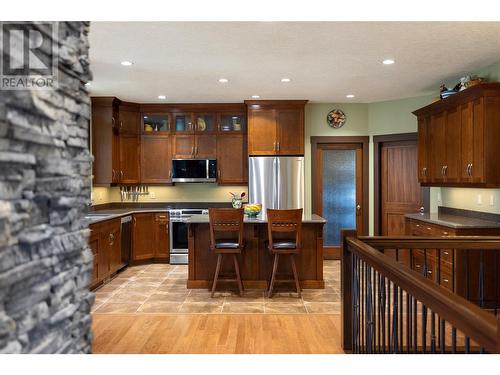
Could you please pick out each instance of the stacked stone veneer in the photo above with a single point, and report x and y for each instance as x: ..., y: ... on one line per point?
x: 45, y: 262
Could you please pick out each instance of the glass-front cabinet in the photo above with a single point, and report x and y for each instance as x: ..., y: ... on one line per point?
x: 183, y: 123
x: 232, y: 123
x: 155, y: 123
x: 205, y: 123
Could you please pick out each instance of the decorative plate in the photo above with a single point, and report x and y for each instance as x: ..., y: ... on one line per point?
x: 336, y: 118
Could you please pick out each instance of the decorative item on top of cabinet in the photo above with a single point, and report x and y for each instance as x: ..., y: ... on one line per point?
x: 275, y: 127
x: 459, y: 139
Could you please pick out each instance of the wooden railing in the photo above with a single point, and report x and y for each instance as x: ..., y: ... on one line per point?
x: 389, y: 308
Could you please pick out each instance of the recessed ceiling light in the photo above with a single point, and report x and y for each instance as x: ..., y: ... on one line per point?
x: 255, y: 96
x: 127, y: 63
x: 162, y: 97
x: 285, y: 79
x: 388, y: 62
x: 223, y: 80
x: 349, y: 96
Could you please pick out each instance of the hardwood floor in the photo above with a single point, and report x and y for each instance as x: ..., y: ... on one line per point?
x: 217, y: 333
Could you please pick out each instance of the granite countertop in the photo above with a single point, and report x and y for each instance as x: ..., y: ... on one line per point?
x: 119, y: 212
x: 200, y: 219
x: 454, y: 221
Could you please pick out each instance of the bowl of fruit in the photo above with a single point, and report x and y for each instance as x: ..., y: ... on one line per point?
x: 252, y: 209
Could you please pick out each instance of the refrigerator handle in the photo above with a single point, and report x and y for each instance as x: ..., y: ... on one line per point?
x: 277, y: 185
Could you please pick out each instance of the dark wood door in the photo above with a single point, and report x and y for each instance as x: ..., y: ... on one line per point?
x: 129, y: 122
x: 437, y: 152
x: 400, y: 192
x: 129, y: 159
x: 262, y: 132
x: 162, y: 249
x: 232, y: 159
x: 290, y: 131
x: 206, y: 146
x: 183, y: 146
x: 156, y: 163
x: 338, y: 192
x: 143, y: 236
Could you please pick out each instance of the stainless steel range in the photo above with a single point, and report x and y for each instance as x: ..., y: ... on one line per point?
x: 179, y: 233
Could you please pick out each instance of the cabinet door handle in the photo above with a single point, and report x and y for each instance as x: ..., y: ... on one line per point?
x: 192, y: 151
x: 121, y: 125
x: 470, y: 170
x: 111, y: 238
x: 274, y: 146
x: 166, y: 226
x: 121, y: 175
x: 113, y: 175
x: 135, y: 221
x: 278, y: 145
x: 424, y: 171
x: 170, y: 174
x: 218, y: 174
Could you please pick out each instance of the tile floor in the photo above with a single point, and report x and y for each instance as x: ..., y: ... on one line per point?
x: 161, y: 288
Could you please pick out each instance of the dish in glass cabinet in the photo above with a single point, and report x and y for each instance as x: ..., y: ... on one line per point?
x: 201, y: 124
x: 336, y: 118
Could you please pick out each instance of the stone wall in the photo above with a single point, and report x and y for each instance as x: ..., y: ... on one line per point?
x: 45, y: 262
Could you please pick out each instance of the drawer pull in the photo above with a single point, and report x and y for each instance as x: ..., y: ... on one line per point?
x: 446, y: 253
x: 429, y: 272
x: 429, y: 228
x: 445, y: 233
x: 446, y: 280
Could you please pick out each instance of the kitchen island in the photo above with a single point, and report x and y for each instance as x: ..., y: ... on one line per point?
x: 255, y: 260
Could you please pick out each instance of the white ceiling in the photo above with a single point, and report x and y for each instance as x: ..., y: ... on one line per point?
x: 325, y: 60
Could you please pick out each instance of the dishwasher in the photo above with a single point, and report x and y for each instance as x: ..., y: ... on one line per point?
x: 126, y: 243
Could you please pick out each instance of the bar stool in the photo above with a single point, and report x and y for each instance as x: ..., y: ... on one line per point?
x: 289, y: 224
x: 225, y: 221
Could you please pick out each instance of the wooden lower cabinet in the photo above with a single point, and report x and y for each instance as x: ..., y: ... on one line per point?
x: 162, y: 237
x: 105, y: 243
x: 150, y: 237
x: 456, y: 270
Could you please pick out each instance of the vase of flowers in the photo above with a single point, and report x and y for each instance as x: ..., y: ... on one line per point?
x: 237, y: 199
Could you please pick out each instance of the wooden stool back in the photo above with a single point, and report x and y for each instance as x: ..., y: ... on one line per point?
x: 225, y: 220
x: 285, y: 221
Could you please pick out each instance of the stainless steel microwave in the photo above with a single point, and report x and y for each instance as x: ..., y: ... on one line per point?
x: 194, y: 170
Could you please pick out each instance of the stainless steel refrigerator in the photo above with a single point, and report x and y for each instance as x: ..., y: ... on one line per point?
x: 276, y: 181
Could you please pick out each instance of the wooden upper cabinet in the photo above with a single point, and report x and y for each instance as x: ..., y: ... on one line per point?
x: 183, y: 146
x: 129, y: 159
x: 459, y: 138
x: 143, y: 239
x: 129, y: 118
x: 232, y: 159
x: 205, y: 123
x: 105, y: 140
x: 276, y: 127
x: 206, y: 146
x: 262, y: 132
x: 183, y: 123
x: 156, y: 164
x: 290, y: 126
x: 424, y: 170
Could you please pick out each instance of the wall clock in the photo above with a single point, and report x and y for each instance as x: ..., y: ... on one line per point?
x: 336, y: 118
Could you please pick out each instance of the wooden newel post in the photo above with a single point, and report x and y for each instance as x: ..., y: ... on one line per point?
x: 346, y: 289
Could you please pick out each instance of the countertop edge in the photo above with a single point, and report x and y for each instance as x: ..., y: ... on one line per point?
x: 480, y: 224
